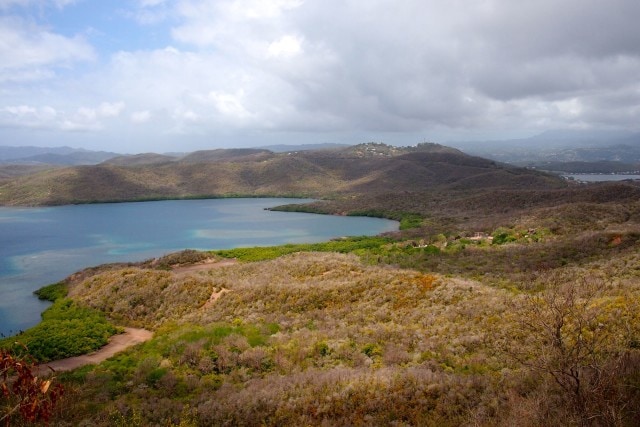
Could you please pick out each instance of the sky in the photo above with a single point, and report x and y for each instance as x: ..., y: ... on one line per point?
x: 135, y: 76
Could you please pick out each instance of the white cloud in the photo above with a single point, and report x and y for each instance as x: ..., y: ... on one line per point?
x: 30, y: 51
x: 285, y: 47
x: 375, y: 66
x: 28, y: 116
x: 110, y: 109
x: 229, y: 105
x: 151, y: 12
x: 233, y: 26
x: 259, y: 9
x: 357, y: 67
x: 141, y: 116
x: 46, y: 117
x: 91, y: 118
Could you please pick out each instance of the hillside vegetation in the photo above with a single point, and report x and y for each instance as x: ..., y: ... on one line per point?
x: 516, y: 326
x: 509, y: 297
x: 350, y: 339
x: 368, y: 168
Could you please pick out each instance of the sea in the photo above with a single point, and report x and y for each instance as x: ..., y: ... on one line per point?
x: 40, y: 246
x: 600, y: 177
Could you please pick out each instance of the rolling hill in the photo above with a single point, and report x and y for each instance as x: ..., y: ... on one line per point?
x: 511, y: 298
x: 59, y: 156
x: 362, y: 169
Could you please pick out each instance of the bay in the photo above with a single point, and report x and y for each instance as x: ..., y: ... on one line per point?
x: 39, y: 246
x: 596, y: 177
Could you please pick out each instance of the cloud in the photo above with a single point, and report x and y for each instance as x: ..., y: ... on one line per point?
x: 28, y: 116
x: 228, y: 104
x: 151, y: 12
x: 141, y: 116
x: 30, y: 52
x: 91, y: 118
x: 285, y: 47
x: 289, y: 67
x: 47, y: 117
x: 110, y: 109
x: 381, y: 67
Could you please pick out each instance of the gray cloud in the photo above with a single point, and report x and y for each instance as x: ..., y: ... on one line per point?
x: 330, y: 68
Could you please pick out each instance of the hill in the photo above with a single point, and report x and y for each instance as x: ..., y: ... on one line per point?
x: 140, y: 159
x: 231, y: 154
x: 560, y: 146
x: 288, y: 148
x: 363, y: 169
x: 510, y: 297
x: 13, y: 153
x: 59, y: 156
x: 11, y: 171
x: 444, y: 330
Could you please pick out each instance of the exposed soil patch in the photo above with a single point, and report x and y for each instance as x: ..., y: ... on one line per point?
x: 117, y: 343
x: 214, y: 297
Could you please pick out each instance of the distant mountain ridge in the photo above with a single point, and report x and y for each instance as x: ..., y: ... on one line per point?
x: 69, y: 156
x: 285, y: 148
x: 61, y: 156
x: 13, y: 153
x: 361, y: 169
x: 560, y: 146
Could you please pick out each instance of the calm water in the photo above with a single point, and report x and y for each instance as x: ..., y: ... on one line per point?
x: 39, y: 246
x: 590, y: 177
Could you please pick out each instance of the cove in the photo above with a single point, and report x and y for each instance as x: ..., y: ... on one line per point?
x: 39, y: 246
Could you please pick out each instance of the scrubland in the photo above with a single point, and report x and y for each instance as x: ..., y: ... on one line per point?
x: 492, y: 307
x: 328, y: 338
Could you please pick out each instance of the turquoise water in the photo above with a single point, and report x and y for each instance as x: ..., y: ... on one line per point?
x: 39, y: 246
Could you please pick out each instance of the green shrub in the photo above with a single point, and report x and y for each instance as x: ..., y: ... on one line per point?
x: 67, y: 329
x: 431, y: 249
x: 372, y: 350
x: 501, y: 236
x: 321, y: 348
x: 52, y: 292
x: 410, y: 220
x: 346, y: 245
x: 154, y: 376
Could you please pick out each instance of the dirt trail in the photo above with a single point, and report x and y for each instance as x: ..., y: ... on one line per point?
x: 131, y: 336
x: 117, y: 343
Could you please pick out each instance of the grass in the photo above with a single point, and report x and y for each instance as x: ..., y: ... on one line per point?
x: 362, y: 244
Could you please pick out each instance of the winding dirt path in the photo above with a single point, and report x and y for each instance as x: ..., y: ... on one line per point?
x: 117, y: 343
x: 131, y: 336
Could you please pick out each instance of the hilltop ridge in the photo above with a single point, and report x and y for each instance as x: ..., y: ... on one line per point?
x: 360, y: 169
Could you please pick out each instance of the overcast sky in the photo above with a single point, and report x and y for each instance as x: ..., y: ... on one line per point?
x: 178, y: 75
